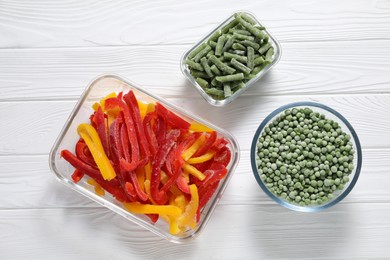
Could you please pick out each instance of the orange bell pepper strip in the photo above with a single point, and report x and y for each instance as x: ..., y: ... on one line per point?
x: 193, y: 148
x: 193, y: 171
x: 138, y: 208
x: 203, y: 158
x: 91, y: 138
x: 198, y: 127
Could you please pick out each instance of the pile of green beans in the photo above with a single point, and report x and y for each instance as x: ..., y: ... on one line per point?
x: 231, y: 57
x: 304, y: 158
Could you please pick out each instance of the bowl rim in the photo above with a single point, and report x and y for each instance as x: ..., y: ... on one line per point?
x: 250, y: 83
x: 282, y: 202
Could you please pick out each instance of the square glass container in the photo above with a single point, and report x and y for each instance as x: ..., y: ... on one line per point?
x: 68, y: 137
x: 218, y: 103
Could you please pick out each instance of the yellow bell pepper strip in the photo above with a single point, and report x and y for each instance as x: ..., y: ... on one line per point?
x: 198, y: 127
x: 91, y: 138
x: 193, y: 148
x: 204, y: 158
x: 138, y: 208
x: 98, y: 189
x: 148, y: 171
x: 188, y: 218
x: 96, y: 105
x: 143, y: 107
x: 193, y: 171
x: 210, y: 140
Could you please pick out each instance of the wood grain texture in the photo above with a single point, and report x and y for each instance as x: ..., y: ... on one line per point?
x: 42, y: 190
x: 43, y: 120
x: 305, y: 69
x: 102, y: 23
x: 354, y: 231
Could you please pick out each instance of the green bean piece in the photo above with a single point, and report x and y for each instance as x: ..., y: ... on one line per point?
x: 238, y: 65
x: 194, y: 65
x: 203, y: 83
x: 243, y: 37
x: 227, y: 90
x: 238, y: 46
x: 259, y: 60
x: 215, y: 36
x: 247, y: 18
x: 266, y: 39
x: 199, y: 74
x: 260, y: 27
x: 221, y: 65
x: 215, y: 70
x: 230, y: 56
x: 213, y: 44
x: 237, y: 85
x: 254, y: 45
x: 210, y: 53
x: 238, y: 52
x: 232, y: 77
x: 269, y: 54
x: 264, y: 48
x: 220, y: 43
x: 230, y: 25
x: 253, y: 30
x: 250, y: 56
x: 250, y: 76
x: 197, y: 50
x: 228, y: 43
x: 243, y: 32
x: 206, y: 67
x: 202, y: 53
x: 257, y: 69
x: 215, y: 92
x: 216, y: 83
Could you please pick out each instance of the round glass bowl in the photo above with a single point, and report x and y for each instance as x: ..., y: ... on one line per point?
x: 337, y: 194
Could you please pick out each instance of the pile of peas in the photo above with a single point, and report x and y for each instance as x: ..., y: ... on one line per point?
x: 303, y: 157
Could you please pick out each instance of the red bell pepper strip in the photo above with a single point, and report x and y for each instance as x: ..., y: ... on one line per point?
x: 160, y: 129
x: 101, y: 128
x: 149, y: 134
x: 115, y: 102
x: 115, y: 141
x: 182, y: 184
x: 210, y: 139
x: 158, y: 196
x: 83, y: 153
x: 131, y: 191
x: 140, y: 193
x: 173, y: 120
x: 216, y: 172
x: 219, y: 144
x: 126, y: 163
x: 223, y: 156
x: 132, y: 103
x: 204, y: 196
x: 77, y: 175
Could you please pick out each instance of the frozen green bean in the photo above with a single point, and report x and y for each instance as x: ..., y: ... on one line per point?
x: 238, y: 65
x: 210, y: 53
x: 213, y: 44
x: 259, y: 60
x: 238, y: 46
x: 194, y: 65
x: 227, y: 90
x: 215, y: 70
x: 197, y: 50
x: 230, y: 56
x: 254, y: 45
x: 269, y: 54
x: 206, y: 67
x: 233, y: 77
x: 220, y: 43
x: 202, y: 53
x: 243, y: 32
x: 216, y: 83
x: 247, y: 18
x: 215, y: 92
x: 253, y: 30
x: 238, y: 52
x: 243, y: 37
x: 250, y: 57
x: 263, y: 49
x: 228, y: 43
x: 203, y: 83
x: 199, y: 74
x: 222, y: 66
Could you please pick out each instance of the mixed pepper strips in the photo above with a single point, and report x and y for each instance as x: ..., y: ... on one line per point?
x: 150, y: 159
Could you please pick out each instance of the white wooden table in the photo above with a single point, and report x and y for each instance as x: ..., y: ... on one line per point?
x: 334, y: 52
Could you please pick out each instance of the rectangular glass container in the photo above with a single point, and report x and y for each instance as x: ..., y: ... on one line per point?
x: 68, y: 138
x: 250, y: 83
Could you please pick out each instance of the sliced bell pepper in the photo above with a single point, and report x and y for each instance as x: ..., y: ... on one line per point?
x: 96, y: 105
x: 139, y: 208
x: 203, y: 158
x: 187, y: 154
x: 83, y: 153
x: 160, y: 197
x: 216, y: 172
x: 143, y: 108
x: 193, y: 171
x: 149, y: 133
x: 77, y: 175
x: 198, y: 127
x: 101, y: 128
x: 172, y: 119
x: 91, y: 138
x: 210, y: 139
x: 188, y: 218
x: 223, y: 156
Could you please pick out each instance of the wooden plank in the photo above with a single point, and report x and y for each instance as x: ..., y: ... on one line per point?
x: 356, y: 231
x: 32, y: 185
x: 99, y: 23
x: 38, y: 124
x: 305, y: 69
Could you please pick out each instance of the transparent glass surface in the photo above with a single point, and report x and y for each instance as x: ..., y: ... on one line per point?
x: 345, y: 126
x: 68, y: 138
x: 215, y: 102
